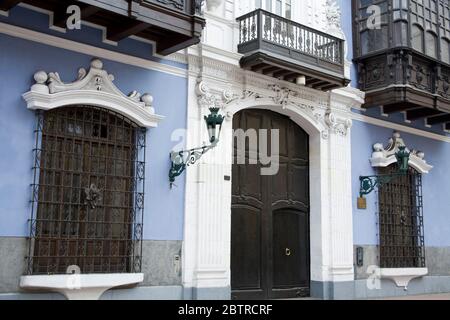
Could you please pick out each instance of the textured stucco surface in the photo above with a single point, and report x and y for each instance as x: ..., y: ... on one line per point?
x: 159, y: 265
x: 12, y: 263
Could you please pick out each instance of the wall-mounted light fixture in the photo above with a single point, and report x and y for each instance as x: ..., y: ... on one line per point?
x: 185, y: 158
x: 369, y: 183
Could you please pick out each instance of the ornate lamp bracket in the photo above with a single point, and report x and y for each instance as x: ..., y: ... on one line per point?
x: 182, y: 159
x: 186, y: 158
x: 368, y: 184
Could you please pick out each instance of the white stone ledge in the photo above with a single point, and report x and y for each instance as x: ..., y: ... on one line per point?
x: 80, y: 286
x: 403, y: 276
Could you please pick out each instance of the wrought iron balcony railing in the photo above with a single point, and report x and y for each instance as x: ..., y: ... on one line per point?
x: 274, y: 35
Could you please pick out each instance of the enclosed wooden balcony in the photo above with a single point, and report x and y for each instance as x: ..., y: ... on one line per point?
x: 287, y: 50
x: 404, y: 63
x: 405, y: 81
x: 172, y: 24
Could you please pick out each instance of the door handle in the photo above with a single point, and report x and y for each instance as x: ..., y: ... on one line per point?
x: 288, y: 252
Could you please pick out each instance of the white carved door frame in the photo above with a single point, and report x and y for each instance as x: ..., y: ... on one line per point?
x: 207, y: 227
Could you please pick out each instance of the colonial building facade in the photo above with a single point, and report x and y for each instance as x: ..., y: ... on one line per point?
x: 88, y: 209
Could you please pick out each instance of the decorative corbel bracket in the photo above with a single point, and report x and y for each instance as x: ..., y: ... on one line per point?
x: 208, y: 99
x: 337, y: 124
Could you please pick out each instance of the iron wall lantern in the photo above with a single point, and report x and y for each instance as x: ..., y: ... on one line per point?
x: 403, y: 159
x: 214, y: 124
x: 182, y: 159
x: 369, y: 183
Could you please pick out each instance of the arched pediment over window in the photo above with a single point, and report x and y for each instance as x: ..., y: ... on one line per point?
x: 95, y: 88
x: 383, y: 157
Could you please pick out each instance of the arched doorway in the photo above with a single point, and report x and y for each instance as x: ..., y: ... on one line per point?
x: 270, y: 255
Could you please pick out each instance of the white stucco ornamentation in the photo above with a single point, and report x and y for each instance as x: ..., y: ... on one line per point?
x: 297, y: 101
x: 333, y: 13
x: 208, y: 99
x: 282, y: 95
x: 212, y: 5
x: 385, y: 156
x: 94, y: 87
x: 338, y: 125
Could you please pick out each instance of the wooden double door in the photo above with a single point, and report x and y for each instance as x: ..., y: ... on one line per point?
x: 270, y: 256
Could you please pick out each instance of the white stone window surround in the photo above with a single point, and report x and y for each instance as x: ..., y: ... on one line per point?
x: 383, y: 157
x: 93, y: 88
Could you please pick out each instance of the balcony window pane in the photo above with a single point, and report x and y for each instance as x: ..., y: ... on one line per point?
x: 445, y: 51
x: 373, y: 40
x: 431, y: 45
x: 258, y: 4
x: 400, y: 4
x: 288, y: 9
x: 400, y: 33
x: 417, y: 38
x: 269, y: 5
x: 279, y: 6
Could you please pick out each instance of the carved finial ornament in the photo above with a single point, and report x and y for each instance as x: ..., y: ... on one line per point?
x: 385, y: 156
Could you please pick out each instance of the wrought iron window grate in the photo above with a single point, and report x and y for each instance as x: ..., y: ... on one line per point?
x: 401, y: 221
x: 87, y: 193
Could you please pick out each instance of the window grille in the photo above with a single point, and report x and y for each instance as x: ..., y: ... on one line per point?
x: 87, y: 193
x: 401, y: 221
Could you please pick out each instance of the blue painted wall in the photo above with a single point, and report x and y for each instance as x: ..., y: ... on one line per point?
x: 436, y: 189
x: 347, y: 26
x: 19, y: 59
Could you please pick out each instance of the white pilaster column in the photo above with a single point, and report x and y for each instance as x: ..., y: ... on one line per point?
x: 207, y: 244
x: 340, y: 210
x: 340, y: 215
x: 214, y: 218
x: 319, y: 212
